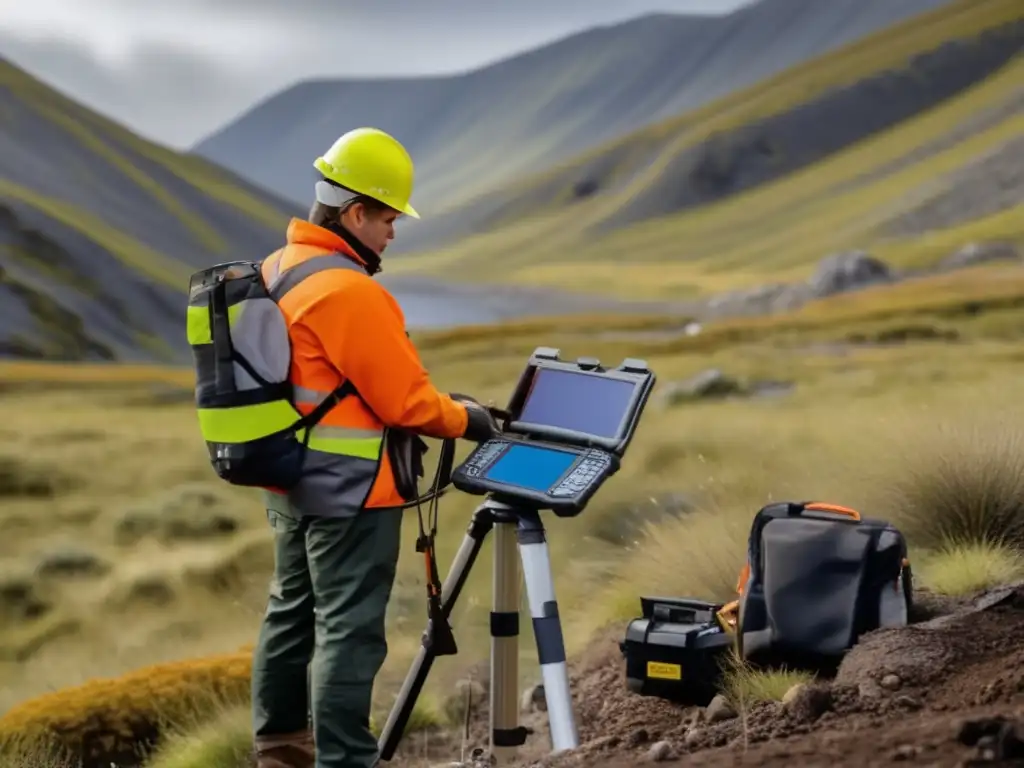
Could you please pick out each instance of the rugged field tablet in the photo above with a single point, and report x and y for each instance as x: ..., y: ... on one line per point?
x: 569, y: 425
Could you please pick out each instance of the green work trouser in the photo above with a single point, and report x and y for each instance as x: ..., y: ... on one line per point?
x: 328, y: 598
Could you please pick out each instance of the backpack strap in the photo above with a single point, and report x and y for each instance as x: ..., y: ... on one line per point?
x: 280, y: 283
x: 224, y: 354
x: 283, y: 281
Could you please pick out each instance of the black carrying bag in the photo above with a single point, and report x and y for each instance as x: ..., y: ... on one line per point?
x: 818, y: 576
x: 676, y: 650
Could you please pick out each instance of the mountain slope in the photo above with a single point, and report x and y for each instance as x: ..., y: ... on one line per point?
x: 99, y: 230
x: 903, y: 143
x: 470, y: 132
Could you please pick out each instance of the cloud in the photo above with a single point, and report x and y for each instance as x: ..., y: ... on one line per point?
x: 175, y: 70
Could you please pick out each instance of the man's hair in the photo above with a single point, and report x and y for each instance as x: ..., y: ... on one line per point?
x: 324, y: 215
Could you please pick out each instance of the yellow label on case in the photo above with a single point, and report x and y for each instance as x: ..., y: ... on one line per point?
x: 664, y: 671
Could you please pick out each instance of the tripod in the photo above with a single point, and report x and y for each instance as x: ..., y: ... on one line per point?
x: 513, y: 525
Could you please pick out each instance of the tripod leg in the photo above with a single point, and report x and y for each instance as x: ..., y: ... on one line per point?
x: 547, y: 629
x: 505, y: 732
x: 394, y: 728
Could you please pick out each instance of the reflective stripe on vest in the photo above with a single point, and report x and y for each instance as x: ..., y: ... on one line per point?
x: 341, y: 462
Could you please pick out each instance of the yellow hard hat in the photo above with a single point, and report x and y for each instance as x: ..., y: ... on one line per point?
x: 370, y: 162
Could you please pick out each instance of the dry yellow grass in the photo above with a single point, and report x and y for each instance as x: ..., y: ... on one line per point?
x: 142, y: 566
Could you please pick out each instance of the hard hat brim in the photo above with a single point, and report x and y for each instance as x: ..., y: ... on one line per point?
x: 328, y: 172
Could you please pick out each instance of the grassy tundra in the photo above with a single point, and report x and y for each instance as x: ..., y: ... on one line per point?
x: 121, y: 549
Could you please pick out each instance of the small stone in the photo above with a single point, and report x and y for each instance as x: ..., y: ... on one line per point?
x: 908, y: 703
x: 719, y: 709
x: 972, y: 731
x: 637, y: 737
x: 790, y: 696
x: 807, y: 702
x: 604, y: 742
x: 659, y: 752
x: 891, y: 682
x: 905, y: 752
x: 693, y: 737
x: 533, y: 699
x: 869, y: 690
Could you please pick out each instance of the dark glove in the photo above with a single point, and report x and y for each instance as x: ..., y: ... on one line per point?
x: 462, y: 398
x: 481, y: 426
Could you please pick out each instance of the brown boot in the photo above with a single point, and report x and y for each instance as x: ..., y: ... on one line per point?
x: 287, y: 750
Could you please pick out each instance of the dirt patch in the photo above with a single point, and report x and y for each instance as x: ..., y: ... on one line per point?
x: 946, y: 691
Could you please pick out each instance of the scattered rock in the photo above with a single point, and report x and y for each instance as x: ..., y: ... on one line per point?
x: 719, y: 709
x: 602, y: 743
x: 711, y: 383
x: 908, y: 703
x: 848, y: 271
x: 806, y: 702
x: 891, y: 682
x: 759, y: 300
x: 981, y: 253
x: 996, y: 738
x: 533, y: 699
x: 637, y: 737
x: 584, y: 188
x: 693, y: 736
x: 905, y: 752
x: 660, y: 751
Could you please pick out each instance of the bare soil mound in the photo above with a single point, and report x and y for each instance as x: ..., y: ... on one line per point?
x: 945, y: 691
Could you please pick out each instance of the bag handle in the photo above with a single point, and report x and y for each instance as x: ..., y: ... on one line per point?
x: 838, y: 509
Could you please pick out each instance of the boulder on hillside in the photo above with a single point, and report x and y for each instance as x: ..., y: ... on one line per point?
x: 707, y: 384
x: 847, y: 271
x: 981, y: 253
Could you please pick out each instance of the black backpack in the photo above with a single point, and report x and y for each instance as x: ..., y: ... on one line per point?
x: 818, y: 576
x: 242, y: 356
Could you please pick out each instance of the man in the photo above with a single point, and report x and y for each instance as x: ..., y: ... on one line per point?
x: 337, y: 533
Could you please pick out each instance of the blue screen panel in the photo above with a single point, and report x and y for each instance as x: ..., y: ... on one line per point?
x: 530, y: 467
x: 594, y: 405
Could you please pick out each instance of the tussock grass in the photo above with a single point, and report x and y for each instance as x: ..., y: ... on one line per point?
x: 965, y: 568
x: 744, y: 685
x: 962, y: 485
x: 224, y: 742
x: 23, y: 477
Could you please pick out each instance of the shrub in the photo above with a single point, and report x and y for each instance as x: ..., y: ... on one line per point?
x: 225, y: 742
x: 22, y: 478
x: 114, y: 720
x: 187, y: 513
x: 959, y: 570
x: 961, y: 486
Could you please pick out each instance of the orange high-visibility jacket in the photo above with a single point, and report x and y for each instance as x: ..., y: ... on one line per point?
x: 344, y: 325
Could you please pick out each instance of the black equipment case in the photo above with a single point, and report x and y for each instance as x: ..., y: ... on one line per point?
x: 818, y: 576
x: 676, y: 650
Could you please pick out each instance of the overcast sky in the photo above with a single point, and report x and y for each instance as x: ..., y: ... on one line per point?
x: 174, y: 70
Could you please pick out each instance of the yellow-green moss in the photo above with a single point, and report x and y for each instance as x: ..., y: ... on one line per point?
x: 109, y: 719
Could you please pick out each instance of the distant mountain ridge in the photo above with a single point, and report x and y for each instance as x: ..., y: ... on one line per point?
x: 473, y: 131
x: 100, y: 229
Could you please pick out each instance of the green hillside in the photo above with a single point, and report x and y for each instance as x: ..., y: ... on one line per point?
x: 99, y: 230
x: 473, y: 131
x: 884, y: 146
